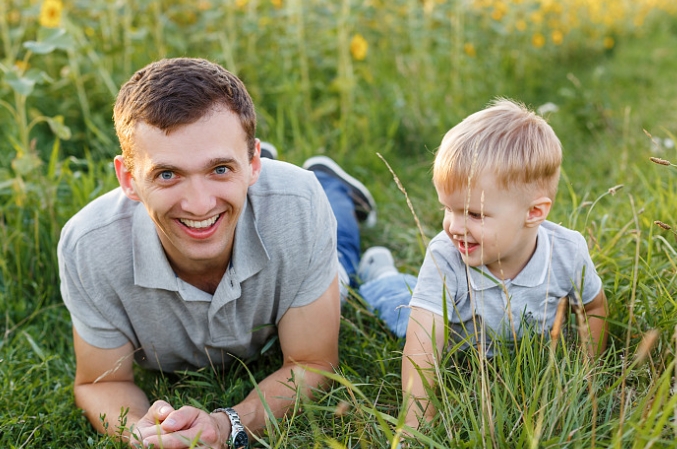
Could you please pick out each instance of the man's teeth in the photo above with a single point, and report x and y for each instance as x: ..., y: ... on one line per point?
x: 200, y: 224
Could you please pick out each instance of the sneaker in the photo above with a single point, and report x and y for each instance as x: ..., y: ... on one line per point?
x: 377, y: 262
x: 365, y: 206
x: 268, y: 150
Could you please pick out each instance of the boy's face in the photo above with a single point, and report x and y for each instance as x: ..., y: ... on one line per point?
x: 491, y: 225
x: 193, y: 183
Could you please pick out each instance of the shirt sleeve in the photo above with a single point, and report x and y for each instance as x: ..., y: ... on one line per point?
x: 588, y: 284
x: 323, y: 261
x: 87, y: 319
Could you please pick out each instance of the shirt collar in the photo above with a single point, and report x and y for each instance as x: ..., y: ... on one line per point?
x: 152, y: 269
x: 532, y: 275
x: 249, y: 252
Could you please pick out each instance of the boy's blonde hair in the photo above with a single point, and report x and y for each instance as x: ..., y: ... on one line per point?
x: 509, y: 140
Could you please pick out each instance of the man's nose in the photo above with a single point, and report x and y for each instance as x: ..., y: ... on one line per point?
x: 198, y: 199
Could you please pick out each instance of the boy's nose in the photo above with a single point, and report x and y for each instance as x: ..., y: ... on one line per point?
x: 455, y: 225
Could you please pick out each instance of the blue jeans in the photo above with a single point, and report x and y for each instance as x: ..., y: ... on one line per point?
x: 348, y: 230
x: 389, y: 296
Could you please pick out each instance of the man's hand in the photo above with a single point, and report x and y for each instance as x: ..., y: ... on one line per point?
x: 149, y: 424
x: 186, y: 427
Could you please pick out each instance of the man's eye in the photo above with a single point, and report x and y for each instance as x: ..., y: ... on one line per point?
x: 221, y: 170
x: 166, y: 175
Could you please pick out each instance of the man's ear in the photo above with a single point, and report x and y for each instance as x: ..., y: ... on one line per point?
x: 125, y: 179
x: 255, y: 163
x: 538, y: 211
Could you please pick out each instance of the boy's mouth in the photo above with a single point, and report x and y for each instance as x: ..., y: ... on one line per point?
x: 465, y: 247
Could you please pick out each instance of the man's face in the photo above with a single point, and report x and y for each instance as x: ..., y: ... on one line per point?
x: 488, y: 225
x: 193, y: 183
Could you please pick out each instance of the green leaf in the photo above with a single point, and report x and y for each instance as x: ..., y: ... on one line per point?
x: 37, y: 75
x: 38, y: 351
x: 62, y: 131
x: 26, y: 163
x: 21, y: 85
x: 40, y: 48
x: 61, y: 39
x: 51, y: 39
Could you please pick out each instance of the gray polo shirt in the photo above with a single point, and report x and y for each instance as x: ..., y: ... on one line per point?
x: 561, y: 266
x: 119, y: 287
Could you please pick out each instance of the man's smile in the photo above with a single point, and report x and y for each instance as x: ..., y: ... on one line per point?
x: 200, y: 224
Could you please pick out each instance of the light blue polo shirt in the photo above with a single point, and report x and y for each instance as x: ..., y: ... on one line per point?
x: 119, y: 286
x: 561, y: 266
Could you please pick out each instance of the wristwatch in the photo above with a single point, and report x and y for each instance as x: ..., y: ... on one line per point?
x: 238, y: 437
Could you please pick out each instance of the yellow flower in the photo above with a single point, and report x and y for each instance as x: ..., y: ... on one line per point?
x: 428, y: 6
x: 14, y: 16
x: 538, y: 40
x: 469, y: 49
x: 240, y: 4
x: 609, y: 42
x: 89, y: 31
x: 557, y: 37
x: 521, y: 25
x: 497, y: 14
x: 276, y: 3
x: 21, y: 65
x: 204, y: 5
x: 358, y: 47
x: 50, y: 13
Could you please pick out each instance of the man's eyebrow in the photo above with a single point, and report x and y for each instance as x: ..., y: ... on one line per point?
x: 222, y: 161
x: 160, y: 167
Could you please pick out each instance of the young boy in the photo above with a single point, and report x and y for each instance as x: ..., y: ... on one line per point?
x: 498, y: 262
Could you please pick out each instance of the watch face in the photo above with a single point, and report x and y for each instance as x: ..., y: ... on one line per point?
x: 241, y: 440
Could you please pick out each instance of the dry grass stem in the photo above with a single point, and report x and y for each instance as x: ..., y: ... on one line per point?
x: 556, y: 330
x: 646, y: 345
x: 659, y: 161
x: 342, y: 408
x: 406, y: 196
x: 660, y: 224
x: 613, y: 190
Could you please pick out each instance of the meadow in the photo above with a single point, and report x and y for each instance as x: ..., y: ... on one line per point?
x: 375, y: 85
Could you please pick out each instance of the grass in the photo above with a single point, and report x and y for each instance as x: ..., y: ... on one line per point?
x: 313, y: 96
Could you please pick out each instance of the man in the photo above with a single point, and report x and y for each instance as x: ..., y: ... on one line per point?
x: 203, y: 253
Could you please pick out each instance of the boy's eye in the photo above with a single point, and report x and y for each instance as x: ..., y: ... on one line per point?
x: 166, y: 175
x: 474, y: 215
x: 221, y: 170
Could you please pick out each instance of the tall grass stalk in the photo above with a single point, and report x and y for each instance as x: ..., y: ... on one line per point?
x: 630, y: 325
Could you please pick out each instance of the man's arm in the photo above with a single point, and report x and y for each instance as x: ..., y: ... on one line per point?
x: 104, y: 384
x: 418, y: 352
x: 596, y: 312
x: 308, y: 338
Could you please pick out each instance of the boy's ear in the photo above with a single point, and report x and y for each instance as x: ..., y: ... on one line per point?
x: 125, y: 179
x: 538, y: 211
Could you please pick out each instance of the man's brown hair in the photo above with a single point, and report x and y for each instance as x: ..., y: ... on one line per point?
x: 172, y: 93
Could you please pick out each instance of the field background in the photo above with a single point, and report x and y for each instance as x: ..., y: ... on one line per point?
x: 352, y: 80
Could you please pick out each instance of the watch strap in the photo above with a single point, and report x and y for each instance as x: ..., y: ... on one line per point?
x: 238, y: 438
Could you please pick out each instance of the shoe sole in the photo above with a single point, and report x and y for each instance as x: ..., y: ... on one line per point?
x: 365, y: 206
x: 268, y: 150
